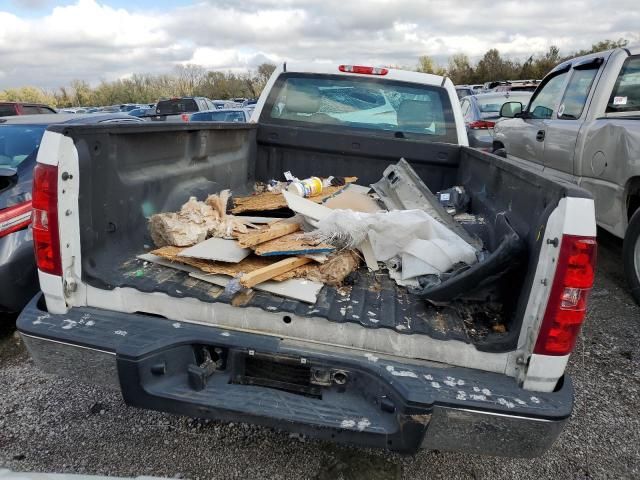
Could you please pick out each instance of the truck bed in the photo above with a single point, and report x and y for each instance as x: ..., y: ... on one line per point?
x: 154, y: 168
x: 371, y: 300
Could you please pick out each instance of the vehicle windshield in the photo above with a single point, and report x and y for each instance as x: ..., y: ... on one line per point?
x: 220, y: 116
x: 490, y: 107
x: 463, y: 92
x: 176, y: 106
x: 17, y: 142
x: 364, y: 103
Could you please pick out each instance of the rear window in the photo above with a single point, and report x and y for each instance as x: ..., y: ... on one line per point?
x: 490, y: 107
x: 7, y: 110
x: 626, y: 92
x: 218, y: 117
x: 17, y: 142
x: 176, y: 106
x: 374, y: 104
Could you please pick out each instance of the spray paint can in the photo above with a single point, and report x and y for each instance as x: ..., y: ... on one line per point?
x: 309, y: 187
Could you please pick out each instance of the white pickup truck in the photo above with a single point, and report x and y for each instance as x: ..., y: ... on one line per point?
x: 478, y: 369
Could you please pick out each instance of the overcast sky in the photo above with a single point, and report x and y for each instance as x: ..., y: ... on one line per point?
x: 49, y: 42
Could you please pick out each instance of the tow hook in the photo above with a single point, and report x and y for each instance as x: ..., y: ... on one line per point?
x: 198, y: 374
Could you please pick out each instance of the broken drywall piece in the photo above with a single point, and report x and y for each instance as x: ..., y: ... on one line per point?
x: 352, y: 200
x: 306, y: 207
x: 217, y: 249
x: 297, y: 289
x: 149, y: 257
x: 362, y: 189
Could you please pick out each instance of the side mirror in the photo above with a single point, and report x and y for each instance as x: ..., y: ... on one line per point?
x: 511, y: 110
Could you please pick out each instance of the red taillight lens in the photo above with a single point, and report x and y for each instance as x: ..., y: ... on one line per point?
x: 567, y: 304
x: 481, y: 125
x: 185, y: 117
x: 46, y: 240
x: 15, y: 218
x: 363, y: 70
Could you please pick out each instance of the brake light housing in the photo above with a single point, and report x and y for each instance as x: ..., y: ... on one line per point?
x: 481, y: 125
x: 46, y: 238
x: 567, y: 305
x: 15, y: 218
x: 363, y: 70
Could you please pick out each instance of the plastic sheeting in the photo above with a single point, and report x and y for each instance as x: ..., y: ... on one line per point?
x: 425, y: 245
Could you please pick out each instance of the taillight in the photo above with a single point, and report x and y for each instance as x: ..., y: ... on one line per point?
x: 15, y: 218
x: 185, y: 117
x: 481, y: 125
x: 567, y: 304
x: 46, y: 240
x: 363, y: 70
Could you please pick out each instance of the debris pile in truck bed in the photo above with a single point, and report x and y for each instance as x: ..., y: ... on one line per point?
x: 396, y: 224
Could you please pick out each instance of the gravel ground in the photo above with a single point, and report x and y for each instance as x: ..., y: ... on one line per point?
x: 53, y: 424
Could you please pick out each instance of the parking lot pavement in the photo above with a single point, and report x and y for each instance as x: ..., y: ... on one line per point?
x: 56, y: 425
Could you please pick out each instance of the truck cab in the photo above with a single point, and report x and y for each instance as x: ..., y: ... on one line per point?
x: 582, y: 126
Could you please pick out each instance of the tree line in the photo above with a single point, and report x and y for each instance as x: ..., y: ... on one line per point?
x: 185, y: 80
x: 492, y: 66
x: 194, y: 80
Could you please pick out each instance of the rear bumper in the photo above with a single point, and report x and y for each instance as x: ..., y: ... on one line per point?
x: 156, y: 363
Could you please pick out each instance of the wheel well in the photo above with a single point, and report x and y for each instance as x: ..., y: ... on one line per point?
x: 633, y: 196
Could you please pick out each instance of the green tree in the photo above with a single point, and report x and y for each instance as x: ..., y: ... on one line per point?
x: 426, y: 64
x: 460, y: 70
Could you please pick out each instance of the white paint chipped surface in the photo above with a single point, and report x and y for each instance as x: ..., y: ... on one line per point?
x: 371, y: 357
x: 122, y: 333
x: 68, y: 324
x: 348, y: 423
x: 177, y: 325
x: 364, y: 423
x: 400, y: 373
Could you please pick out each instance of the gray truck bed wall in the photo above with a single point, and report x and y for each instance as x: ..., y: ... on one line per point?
x: 131, y: 172
x: 526, y: 198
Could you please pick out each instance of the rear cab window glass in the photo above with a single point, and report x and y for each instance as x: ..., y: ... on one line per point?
x: 547, y: 98
x: 17, y: 142
x: 379, y: 106
x: 625, y: 96
x: 575, y: 96
x: 176, y: 106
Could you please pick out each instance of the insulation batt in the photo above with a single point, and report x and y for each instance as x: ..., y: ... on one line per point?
x: 195, y: 222
x: 425, y: 245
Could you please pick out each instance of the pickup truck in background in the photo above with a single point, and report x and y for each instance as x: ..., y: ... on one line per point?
x: 372, y: 363
x: 179, y: 109
x: 583, y: 126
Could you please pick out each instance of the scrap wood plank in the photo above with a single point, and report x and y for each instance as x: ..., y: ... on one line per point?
x: 267, y: 273
x: 249, y: 264
x: 217, y: 249
x: 292, y: 244
x: 274, y: 201
x: 273, y: 230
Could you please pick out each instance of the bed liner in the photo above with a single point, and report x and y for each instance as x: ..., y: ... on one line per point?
x: 372, y: 300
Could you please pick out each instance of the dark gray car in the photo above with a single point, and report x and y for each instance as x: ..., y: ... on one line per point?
x: 20, y: 138
x: 482, y: 111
